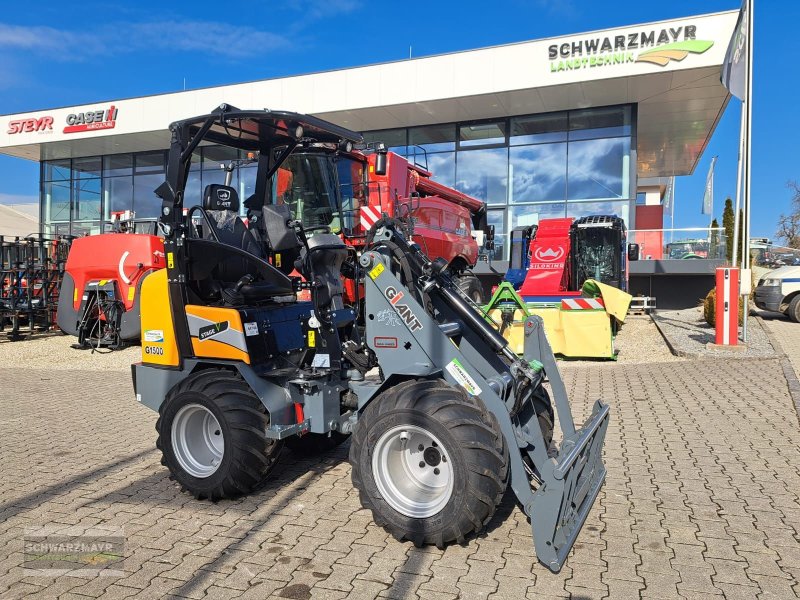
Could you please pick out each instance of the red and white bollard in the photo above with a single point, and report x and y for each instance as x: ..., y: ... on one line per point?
x: 727, y: 322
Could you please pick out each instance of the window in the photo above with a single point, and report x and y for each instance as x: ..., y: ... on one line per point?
x: 146, y: 204
x: 434, y: 138
x: 443, y: 167
x: 538, y: 129
x: 393, y: 139
x: 86, y: 200
x: 482, y: 134
x: 352, y: 190
x: 215, y: 156
x: 483, y: 174
x: 598, y: 169
x: 613, y: 121
x: 57, y: 170
x: 118, y: 194
x: 117, y: 164
x: 150, y: 162
x: 87, y: 168
x: 56, y: 201
x: 497, y: 218
x: 538, y: 172
x: 531, y: 214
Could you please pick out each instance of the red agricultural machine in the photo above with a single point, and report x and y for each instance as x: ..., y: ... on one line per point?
x: 99, y: 301
x: 347, y: 192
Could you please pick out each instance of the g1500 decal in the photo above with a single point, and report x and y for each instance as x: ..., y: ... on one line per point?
x: 405, y: 312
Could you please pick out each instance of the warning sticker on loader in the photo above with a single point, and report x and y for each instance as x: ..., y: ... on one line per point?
x: 459, y: 373
x: 376, y: 270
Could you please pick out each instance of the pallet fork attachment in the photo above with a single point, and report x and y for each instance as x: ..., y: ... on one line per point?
x: 569, y: 487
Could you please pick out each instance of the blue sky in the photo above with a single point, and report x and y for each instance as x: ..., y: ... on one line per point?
x: 59, y: 56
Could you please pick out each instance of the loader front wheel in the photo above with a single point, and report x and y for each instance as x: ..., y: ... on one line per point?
x: 211, y: 433
x: 430, y: 462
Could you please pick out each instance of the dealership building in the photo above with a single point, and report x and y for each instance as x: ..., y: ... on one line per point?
x: 592, y: 123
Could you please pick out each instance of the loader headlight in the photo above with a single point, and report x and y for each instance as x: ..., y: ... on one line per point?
x: 771, y: 282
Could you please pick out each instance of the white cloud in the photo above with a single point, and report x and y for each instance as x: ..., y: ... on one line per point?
x: 208, y: 38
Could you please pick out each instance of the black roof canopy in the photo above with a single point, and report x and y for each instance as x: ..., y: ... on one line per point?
x: 260, y: 129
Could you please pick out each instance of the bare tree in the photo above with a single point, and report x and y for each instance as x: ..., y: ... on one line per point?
x: 789, y: 225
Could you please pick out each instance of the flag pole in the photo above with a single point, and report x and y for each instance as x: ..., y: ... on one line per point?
x: 748, y: 156
x: 739, y: 168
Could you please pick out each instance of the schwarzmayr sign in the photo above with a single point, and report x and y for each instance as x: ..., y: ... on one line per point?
x: 656, y: 46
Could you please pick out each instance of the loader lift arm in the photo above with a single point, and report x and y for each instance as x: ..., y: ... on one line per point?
x: 556, y: 489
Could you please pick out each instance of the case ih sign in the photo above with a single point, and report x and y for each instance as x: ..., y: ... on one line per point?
x: 42, y: 124
x: 92, y: 120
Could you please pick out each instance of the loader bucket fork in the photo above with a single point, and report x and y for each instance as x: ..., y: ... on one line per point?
x: 447, y: 336
x: 571, y: 483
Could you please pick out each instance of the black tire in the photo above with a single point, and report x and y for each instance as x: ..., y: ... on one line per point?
x: 471, y: 286
x: 793, y: 312
x: 545, y: 415
x: 248, y: 454
x: 312, y: 444
x: 469, y: 435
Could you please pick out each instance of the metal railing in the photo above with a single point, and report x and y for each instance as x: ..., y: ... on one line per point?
x: 680, y: 243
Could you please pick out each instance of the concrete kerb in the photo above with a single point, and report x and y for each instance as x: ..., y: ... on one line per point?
x: 735, y: 353
x: 792, y: 381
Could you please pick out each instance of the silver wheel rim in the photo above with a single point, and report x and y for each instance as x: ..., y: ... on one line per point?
x: 413, y: 471
x: 197, y: 440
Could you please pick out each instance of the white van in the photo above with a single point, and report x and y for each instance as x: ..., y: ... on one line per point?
x: 779, y: 291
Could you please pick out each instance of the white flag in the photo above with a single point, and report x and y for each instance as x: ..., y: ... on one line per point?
x: 708, y: 197
x: 734, y: 67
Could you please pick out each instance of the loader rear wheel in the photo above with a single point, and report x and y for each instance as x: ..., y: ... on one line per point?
x: 429, y: 462
x: 211, y: 433
x: 471, y: 286
x: 312, y: 444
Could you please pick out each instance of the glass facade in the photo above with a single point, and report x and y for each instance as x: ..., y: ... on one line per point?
x: 79, y: 195
x: 531, y: 167
x: 526, y: 168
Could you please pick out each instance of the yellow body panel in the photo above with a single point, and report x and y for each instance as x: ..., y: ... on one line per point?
x: 158, y: 332
x: 224, y: 337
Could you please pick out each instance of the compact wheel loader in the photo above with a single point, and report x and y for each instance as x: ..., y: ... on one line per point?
x: 442, y: 416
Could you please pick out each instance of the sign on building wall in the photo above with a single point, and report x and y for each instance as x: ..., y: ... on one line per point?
x: 652, y: 46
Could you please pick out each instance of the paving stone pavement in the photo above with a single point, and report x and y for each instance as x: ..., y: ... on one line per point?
x: 701, y: 501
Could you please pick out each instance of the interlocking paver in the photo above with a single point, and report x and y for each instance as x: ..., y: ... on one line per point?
x: 701, y: 500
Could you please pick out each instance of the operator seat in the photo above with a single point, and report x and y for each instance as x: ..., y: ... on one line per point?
x: 324, y: 258
x: 221, y: 204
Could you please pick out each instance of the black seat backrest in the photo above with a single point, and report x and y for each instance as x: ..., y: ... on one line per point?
x: 221, y: 204
x: 210, y: 261
x: 326, y: 253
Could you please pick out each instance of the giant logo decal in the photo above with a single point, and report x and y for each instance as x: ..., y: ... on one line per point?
x: 404, y: 310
